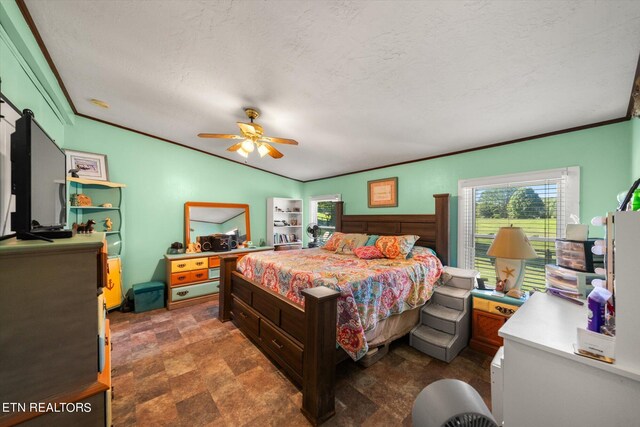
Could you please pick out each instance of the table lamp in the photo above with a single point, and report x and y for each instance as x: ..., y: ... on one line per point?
x: 511, y: 248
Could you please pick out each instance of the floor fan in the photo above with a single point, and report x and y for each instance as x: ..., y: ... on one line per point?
x: 312, y: 231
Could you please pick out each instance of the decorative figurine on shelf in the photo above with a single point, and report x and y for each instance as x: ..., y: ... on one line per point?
x: 501, y: 285
x: 80, y: 200
x: 193, y: 248
x: 84, y: 228
x: 74, y: 173
x: 106, y: 205
x: 108, y: 224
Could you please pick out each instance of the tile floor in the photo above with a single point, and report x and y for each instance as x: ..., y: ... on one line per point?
x: 184, y: 367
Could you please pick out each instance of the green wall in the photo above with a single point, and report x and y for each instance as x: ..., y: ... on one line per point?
x: 602, y: 154
x: 635, y: 149
x: 160, y: 178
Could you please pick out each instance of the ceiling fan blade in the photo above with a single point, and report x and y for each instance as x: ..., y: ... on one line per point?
x: 278, y: 140
x: 250, y: 129
x: 235, y: 147
x: 273, y: 152
x: 219, y: 135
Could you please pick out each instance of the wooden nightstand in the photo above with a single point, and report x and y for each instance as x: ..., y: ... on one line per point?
x: 490, y: 312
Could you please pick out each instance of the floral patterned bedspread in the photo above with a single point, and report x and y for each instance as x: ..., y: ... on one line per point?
x: 371, y: 290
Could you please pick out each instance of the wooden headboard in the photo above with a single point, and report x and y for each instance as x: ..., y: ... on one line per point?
x: 433, y: 229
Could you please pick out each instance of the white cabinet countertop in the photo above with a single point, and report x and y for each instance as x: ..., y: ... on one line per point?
x: 549, y: 324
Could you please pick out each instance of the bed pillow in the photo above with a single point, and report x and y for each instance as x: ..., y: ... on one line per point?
x: 334, y: 242
x: 371, y: 241
x: 396, y: 246
x: 419, y: 250
x: 368, y: 252
x: 351, y: 242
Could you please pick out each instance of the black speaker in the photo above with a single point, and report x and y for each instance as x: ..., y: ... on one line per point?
x: 205, y: 243
x: 233, y: 242
x: 220, y: 243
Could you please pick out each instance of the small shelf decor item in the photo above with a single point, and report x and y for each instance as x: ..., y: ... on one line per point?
x: 88, y: 165
x: 383, y: 193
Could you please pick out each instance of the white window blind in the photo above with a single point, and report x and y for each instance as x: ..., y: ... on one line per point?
x: 323, y: 213
x: 541, y: 203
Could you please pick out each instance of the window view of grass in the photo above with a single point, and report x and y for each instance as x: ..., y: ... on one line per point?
x: 326, y: 217
x: 533, y: 208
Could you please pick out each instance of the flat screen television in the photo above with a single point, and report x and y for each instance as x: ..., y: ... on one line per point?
x: 38, y: 182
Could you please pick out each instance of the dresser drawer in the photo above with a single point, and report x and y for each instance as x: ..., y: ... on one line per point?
x: 494, y: 307
x: 282, y: 347
x: 214, y: 261
x: 192, y: 291
x: 198, y: 263
x: 245, y: 317
x: 189, y: 277
x: 188, y: 264
x: 214, y: 273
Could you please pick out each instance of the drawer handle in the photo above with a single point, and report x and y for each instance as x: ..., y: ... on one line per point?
x: 182, y: 265
x: 183, y: 293
x: 199, y: 263
x: 277, y: 344
x: 199, y: 275
x: 182, y: 277
x: 504, y: 310
x: 243, y: 315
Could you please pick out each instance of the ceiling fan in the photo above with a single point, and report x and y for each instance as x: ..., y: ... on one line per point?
x: 252, y: 137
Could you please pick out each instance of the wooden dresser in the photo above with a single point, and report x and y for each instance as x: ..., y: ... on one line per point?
x: 489, y: 314
x: 54, y: 339
x: 194, y: 278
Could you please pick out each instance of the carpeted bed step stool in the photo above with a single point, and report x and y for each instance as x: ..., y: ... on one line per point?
x: 445, y: 321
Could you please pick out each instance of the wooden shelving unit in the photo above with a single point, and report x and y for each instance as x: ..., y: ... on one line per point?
x: 102, y: 192
x: 290, y: 211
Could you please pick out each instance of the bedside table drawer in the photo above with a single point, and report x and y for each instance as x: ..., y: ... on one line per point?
x: 494, y: 307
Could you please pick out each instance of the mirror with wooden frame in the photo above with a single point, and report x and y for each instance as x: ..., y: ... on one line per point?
x: 205, y: 219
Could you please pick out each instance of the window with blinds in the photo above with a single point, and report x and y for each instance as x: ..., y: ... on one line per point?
x: 323, y: 213
x: 541, y: 203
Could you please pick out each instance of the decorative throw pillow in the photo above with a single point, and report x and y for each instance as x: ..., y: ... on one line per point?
x: 368, y: 252
x: 350, y: 242
x: 371, y: 241
x: 334, y: 242
x: 396, y: 246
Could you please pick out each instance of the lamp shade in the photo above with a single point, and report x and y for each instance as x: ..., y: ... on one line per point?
x: 511, y: 243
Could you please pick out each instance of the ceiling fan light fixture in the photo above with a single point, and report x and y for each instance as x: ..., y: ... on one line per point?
x: 252, y: 138
x: 247, y: 145
x: 242, y: 152
x: 263, y: 150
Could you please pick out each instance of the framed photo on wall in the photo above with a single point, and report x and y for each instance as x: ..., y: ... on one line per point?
x: 89, y: 165
x: 383, y: 193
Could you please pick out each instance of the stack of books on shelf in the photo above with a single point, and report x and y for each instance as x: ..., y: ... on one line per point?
x: 285, y: 238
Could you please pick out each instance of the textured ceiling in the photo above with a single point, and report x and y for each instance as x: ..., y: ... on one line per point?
x: 359, y: 84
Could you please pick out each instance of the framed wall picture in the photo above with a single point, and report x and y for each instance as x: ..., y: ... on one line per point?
x: 89, y: 165
x: 383, y: 193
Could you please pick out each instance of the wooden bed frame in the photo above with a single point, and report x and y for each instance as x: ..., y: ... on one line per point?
x: 302, y: 341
